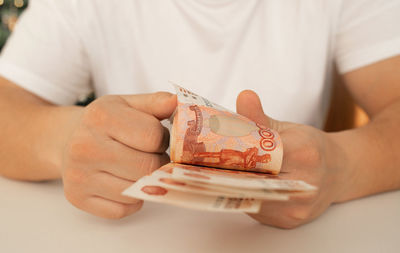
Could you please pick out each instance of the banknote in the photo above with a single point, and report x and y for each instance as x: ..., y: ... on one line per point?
x: 164, y: 178
x: 234, y: 179
x: 221, y: 161
x: 148, y: 188
x: 204, y: 133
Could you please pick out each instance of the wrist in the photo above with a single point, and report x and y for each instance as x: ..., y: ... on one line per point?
x: 359, y: 160
x: 57, y: 124
x: 338, y: 162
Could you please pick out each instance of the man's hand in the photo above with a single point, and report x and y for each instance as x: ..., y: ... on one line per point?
x: 309, y: 155
x: 116, y: 141
x: 344, y: 165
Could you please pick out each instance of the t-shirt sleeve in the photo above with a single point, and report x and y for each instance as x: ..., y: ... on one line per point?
x: 368, y: 31
x: 45, y: 55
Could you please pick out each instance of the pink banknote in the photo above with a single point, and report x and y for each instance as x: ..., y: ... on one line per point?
x: 221, y: 161
x: 204, y: 133
x: 152, y: 189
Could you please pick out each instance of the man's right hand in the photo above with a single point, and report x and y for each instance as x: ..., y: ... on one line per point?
x: 116, y: 141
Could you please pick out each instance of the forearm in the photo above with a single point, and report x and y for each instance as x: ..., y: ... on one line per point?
x: 371, y: 155
x: 33, y: 134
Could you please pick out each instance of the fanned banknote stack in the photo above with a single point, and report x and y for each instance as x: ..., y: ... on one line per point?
x: 221, y: 161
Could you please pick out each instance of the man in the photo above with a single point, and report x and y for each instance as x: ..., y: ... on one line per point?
x: 283, y: 50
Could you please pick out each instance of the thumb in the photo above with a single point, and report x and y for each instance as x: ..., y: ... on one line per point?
x: 249, y: 105
x: 159, y: 104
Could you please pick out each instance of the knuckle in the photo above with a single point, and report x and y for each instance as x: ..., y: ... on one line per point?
x: 147, y: 163
x: 160, y: 96
x: 313, y: 156
x: 78, y: 149
x: 308, y: 155
x: 96, y: 114
x: 73, y: 176
x: 154, y: 135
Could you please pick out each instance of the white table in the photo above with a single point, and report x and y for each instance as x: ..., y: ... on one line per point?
x: 35, y: 217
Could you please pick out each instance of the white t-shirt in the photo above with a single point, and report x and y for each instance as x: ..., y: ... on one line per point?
x: 285, y: 50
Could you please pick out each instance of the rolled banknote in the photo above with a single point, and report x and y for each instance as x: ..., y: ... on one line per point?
x: 204, y: 133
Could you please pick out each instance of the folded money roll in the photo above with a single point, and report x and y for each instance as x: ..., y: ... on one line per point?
x: 204, y: 133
